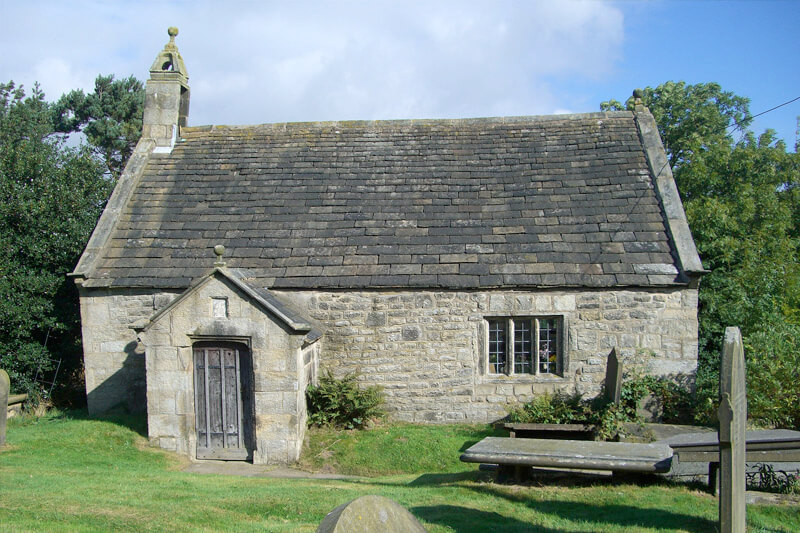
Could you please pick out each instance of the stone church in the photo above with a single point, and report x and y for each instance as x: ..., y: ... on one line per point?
x: 463, y: 265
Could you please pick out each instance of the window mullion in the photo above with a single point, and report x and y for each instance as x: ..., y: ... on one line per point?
x: 535, y: 347
x: 510, y: 348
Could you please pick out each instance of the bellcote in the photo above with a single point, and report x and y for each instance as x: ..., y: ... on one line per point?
x: 169, y: 63
x: 166, y: 106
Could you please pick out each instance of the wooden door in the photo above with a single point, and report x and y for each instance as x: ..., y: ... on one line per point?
x: 222, y: 395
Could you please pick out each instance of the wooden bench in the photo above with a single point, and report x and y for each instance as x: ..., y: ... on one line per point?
x: 518, y: 455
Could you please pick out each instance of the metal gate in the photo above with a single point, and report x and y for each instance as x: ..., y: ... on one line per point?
x: 221, y: 385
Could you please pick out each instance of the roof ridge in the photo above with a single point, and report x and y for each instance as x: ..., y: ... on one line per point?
x: 516, y: 119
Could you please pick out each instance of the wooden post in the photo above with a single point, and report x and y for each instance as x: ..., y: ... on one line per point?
x: 732, y: 426
x: 614, y: 377
x: 5, y: 388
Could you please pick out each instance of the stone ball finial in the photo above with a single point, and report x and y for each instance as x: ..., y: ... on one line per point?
x: 219, y: 250
x: 172, y: 31
x: 638, y: 105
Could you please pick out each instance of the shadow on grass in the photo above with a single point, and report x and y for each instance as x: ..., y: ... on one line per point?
x: 616, y: 514
x: 465, y: 519
x: 607, y: 514
x: 492, y: 432
x: 426, y: 480
x: 118, y: 416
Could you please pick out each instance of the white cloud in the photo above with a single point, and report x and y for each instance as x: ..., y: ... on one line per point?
x: 252, y: 62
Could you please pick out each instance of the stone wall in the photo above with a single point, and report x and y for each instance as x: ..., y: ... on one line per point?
x: 115, y: 365
x: 113, y: 359
x: 429, y: 349
x: 278, y: 370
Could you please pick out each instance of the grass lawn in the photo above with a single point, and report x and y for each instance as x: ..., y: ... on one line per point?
x: 67, y: 473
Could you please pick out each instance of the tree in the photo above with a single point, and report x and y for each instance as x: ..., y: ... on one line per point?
x: 691, y: 118
x: 110, y: 117
x: 50, y: 198
x: 741, y: 200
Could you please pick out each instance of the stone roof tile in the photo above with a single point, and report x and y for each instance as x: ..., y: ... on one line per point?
x: 519, y: 202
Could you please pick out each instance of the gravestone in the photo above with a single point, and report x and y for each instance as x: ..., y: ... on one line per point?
x: 369, y: 514
x: 614, y: 377
x: 5, y: 387
x: 732, y: 426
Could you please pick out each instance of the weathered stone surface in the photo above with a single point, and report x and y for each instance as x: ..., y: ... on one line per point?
x: 296, y: 205
x: 5, y: 388
x: 370, y: 514
x: 732, y: 432
x: 443, y: 370
x: 618, y: 456
x: 649, y: 408
x: 280, y: 367
x: 430, y: 354
x: 613, y: 377
x: 756, y: 439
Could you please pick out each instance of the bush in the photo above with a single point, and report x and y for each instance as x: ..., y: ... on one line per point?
x: 676, y: 401
x: 558, y: 408
x: 607, y: 417
x: 563, y: 408
x: 341, y: 403
x: 773, y: 372
x: 766, y: 478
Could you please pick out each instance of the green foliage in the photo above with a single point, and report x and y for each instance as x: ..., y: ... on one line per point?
x: 766, y: 478
x: 342, y: 403
x: 558, y: 408
x: 50, y: 198
x: 110, y: 117
x: 691, y: 118
x: 608, y: 418
x: 773, y: 375
x: 741, y: 194
x: 562, y: 408
x: 676, y: 401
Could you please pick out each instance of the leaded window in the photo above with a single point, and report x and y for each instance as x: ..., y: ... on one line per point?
x: 525, y: 345
x: 497, y: 347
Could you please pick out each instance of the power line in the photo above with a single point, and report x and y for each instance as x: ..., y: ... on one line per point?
x: 738, y: 126
x: 776, y: 107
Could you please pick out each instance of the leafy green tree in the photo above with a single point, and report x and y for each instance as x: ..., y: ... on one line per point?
x: 50, y: 198
x: 691, y: 118
x: 741, y: 200
x: 110, y: 117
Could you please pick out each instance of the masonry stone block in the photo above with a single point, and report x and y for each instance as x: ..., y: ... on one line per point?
x: 430, y: 363
x: 565, y: 302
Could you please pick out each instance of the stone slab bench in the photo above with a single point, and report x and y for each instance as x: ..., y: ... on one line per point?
x: 761, y: 446
x: 550, y: 431
x: 17, y: 398
x: 569, y: 454
x: 15, y: 404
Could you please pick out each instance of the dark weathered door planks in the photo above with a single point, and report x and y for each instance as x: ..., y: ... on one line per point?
x: 221, y: 414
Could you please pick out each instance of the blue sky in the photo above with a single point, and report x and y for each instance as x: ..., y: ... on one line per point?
x: 256, y: 62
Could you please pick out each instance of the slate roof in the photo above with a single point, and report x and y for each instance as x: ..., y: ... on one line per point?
x: 557, y: 201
